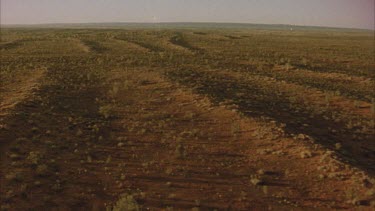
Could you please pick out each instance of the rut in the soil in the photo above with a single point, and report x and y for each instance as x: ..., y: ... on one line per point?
x: 42, y: 167
x: 257, y: 103
x: 142, y: 44
x: 88, y: 141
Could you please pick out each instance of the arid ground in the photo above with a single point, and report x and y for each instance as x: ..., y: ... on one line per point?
x: 188, y: 119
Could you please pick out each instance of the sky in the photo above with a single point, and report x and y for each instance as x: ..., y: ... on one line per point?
x: 333, y: 13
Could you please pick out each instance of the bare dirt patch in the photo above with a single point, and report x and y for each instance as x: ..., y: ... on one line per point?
x: 22, y: 86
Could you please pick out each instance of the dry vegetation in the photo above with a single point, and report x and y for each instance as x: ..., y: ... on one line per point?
x: 186, y: 119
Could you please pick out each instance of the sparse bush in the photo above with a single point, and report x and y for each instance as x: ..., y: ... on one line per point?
x: 180, y: 151
x: 107, y: 111
x: 306, y: 154
x: 126, y: 202
x: 256, y: 180
x: 42, y: 170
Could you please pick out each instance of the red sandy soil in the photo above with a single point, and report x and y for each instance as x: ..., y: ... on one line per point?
x: 141, y: 134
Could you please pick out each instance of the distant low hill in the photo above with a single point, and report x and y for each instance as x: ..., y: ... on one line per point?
x: 178, y: 25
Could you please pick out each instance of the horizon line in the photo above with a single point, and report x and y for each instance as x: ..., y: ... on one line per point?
x: 181, y: 22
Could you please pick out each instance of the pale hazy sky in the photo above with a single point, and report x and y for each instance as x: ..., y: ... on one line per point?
x: 339, y: 13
